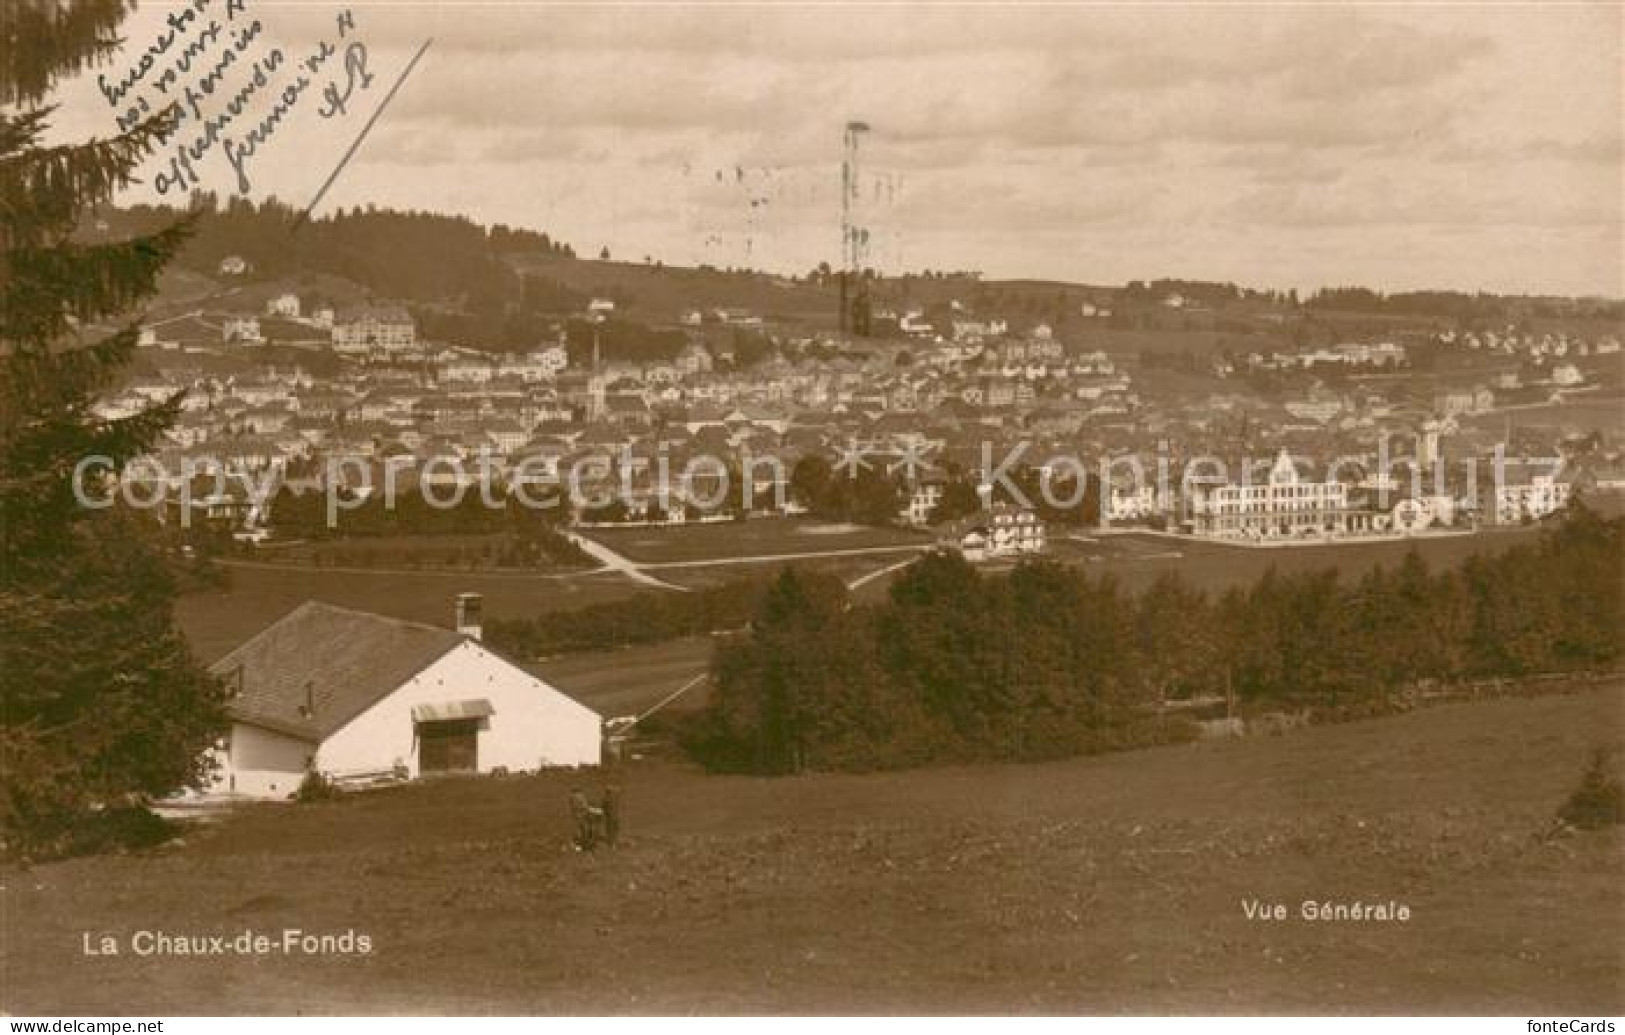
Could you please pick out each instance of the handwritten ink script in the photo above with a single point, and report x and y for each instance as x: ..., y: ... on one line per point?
x: 231, y: 88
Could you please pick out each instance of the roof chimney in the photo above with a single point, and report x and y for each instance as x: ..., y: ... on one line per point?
x: 469, y: 607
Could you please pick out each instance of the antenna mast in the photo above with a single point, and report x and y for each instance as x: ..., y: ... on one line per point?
x: 854, y: 238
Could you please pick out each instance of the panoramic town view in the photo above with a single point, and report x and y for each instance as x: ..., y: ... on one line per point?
x: 750, y: 541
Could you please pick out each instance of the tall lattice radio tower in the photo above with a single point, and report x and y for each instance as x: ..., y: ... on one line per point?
x: 854, y: 236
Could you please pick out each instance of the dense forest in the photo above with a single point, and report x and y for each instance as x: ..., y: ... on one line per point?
x: 623, y: 340
x: 1203, y: 292
x: 419, y: 256
x: 1048, y: 662
x: 458, y: 279
x: 1461, y: 306
x: 865, y: 495
x: 451, y: 272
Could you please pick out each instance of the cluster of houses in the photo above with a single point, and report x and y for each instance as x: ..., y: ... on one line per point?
x: 361, y: 332
x: 361, y: 697
x: 386, y: 396
x: 1349, y: 355
x: 1510, y: 341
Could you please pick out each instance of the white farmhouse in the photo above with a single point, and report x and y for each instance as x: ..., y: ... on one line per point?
x: 1131, y: 502
x: 354, y: 695
x: 997, y: 531
x: 285, y: 305
x: 1530, y: 500
x: 542, y: 364
x: 244, y: 329
x: 923, y: 497
x: 1568, y: 375
x: 1013, y: 530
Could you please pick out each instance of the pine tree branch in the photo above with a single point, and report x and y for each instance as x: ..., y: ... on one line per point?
x: 42, y: 189
x: 50, y: 380
x: 46, y: 40
x: 43, y: 290
x: 22, y: 130
x: 89, y: 658
x: 40, y: 457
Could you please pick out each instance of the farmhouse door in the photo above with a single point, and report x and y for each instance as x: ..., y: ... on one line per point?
x: 448, y: 746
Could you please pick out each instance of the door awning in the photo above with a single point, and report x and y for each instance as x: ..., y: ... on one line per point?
x: 451, y: 711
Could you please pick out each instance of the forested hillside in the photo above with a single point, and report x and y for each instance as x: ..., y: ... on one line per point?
x: 502, y: 288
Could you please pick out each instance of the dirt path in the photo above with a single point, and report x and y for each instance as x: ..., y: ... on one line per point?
x: 880, y: 573
x: 619, y: 563
x: 638, y: 571
x: 776, y: 558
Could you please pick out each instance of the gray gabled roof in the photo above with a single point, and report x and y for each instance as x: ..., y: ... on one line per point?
x: 349, y: 660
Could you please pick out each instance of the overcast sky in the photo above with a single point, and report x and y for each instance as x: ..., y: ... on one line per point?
x: 1473, y: 147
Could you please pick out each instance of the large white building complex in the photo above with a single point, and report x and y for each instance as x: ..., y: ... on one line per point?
x: 1285, y: 506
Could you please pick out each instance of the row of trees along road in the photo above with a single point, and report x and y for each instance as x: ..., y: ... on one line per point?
x: 1047, y: 661
x: 101, y: 702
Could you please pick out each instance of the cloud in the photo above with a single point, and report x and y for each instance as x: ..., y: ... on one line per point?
x: 938, y: 87
x: 1267, y: 143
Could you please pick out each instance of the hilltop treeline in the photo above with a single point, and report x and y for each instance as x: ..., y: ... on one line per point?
x: 1460, y: 305
x: 1048, y: 662
x: 646, y: 618
x: 420, y: 256
x: 452, y: 272
x: 1201, y: 292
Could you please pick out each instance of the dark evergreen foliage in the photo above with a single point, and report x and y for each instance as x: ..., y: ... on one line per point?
x: 1460, y: 306
x: 47, y: 39
x: 525, y: 536
x: 1047, y: 661
x: 623, y: 340
x: 455, y: 273
x: 865, y: 496
x: 101, y: 703
x: 651, y: 617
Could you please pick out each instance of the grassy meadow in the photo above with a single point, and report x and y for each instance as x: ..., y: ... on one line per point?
x: 1112, y: 884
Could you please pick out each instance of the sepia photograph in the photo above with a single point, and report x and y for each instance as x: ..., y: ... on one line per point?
x: 816, y: 508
